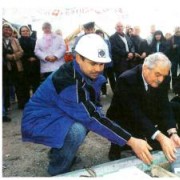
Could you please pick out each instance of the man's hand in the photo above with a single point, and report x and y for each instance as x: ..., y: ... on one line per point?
x: 47, y: 58
x: 176, y: 140
x: 51, y: 58
x: 31, y: 59
x: 10, y: 56
x: 141, y: 148
x: 167, y: 146
x: 143, y: 55
x: 130, y: 55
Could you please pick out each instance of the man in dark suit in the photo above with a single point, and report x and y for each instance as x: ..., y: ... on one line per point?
x: 122, y: 50
x: 140, y: 104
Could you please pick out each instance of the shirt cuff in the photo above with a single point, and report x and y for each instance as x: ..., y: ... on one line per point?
x: 153, y: 137
x: 172, y: 130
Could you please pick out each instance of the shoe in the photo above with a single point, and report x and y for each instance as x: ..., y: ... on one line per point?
x: 55, y: 165
x: 55, y: 168
x: 6, y: 119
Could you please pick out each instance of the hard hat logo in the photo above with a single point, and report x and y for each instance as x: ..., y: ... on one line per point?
x: 101, y: 53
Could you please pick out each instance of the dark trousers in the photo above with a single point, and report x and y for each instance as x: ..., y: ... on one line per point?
x: 33, y: 81
x: 6, y: 88
x: 20, y: 84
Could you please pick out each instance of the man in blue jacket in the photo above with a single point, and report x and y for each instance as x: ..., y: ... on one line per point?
x: 66, y: 106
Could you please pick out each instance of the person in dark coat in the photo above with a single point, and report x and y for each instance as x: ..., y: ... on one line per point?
x: 12, y: 66
x: 67, y: 105
x: 122, y: 50
x: 140, y: 45
x: 174, y: 54
x: 140, y: 104
x: 159, y: 43
x: 31, y: 63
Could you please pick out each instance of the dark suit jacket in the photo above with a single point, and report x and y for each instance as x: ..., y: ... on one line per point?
x: 139, y: 111
x: 119, y: 53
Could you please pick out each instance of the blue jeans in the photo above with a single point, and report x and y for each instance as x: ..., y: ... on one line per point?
x: 62, y: 159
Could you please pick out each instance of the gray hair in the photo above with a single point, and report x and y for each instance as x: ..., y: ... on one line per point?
x: 46, y: 24
x: 153, y: 59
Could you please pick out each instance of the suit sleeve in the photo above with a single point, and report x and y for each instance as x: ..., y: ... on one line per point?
x: 117, y: 46
x: 125, y: 102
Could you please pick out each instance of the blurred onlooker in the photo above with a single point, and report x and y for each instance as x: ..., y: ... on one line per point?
x: 88, y: 29
x: 15, y: 33
x: 140, y: 45
x: 159, y: 43
x: 168, y: 36
x: 6, y: 73
x: 31, y: 63
x: 12, y: 66
x: 128, y: 26
x: 122, y: 50
x: 33, y: 33
x: 58, y: 32
x: 152, y: 31
x: 129, y: 31
x: 108, y: 70
x: 68, y: 56
x: 6, y: 118
x: 174, y: 54
x: 50, y: 49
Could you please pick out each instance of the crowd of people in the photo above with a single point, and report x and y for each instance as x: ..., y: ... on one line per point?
x: 61, y: 101
x: 27, y: 61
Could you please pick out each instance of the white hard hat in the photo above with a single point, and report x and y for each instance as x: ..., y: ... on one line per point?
x: 94, y: 48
